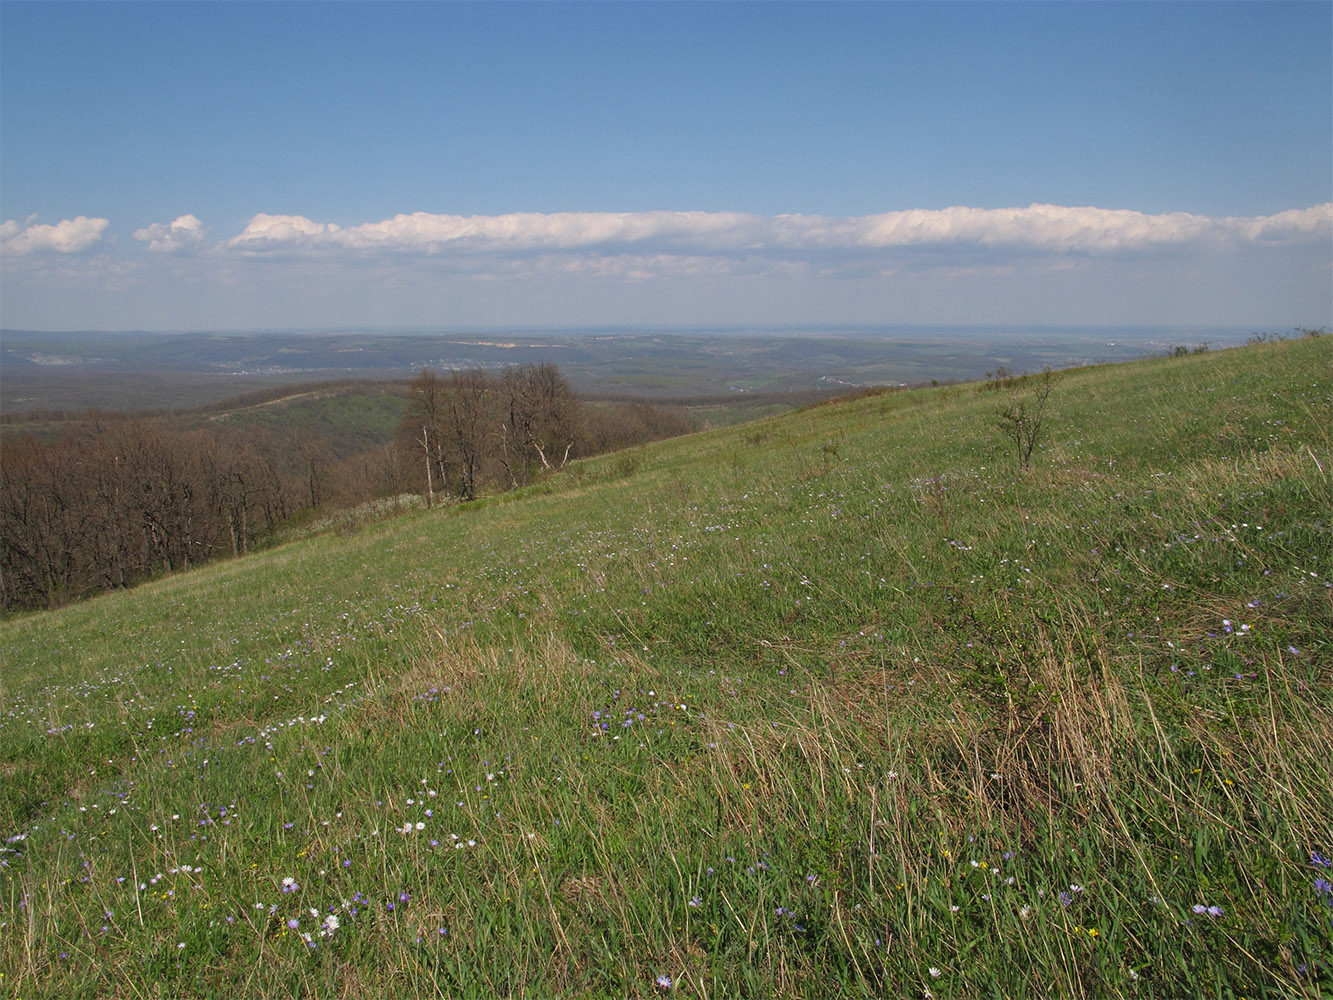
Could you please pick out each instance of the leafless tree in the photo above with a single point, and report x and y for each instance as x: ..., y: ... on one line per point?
x: 1021, y: 417
x: 538, y: 420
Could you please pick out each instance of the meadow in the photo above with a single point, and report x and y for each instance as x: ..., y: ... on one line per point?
x: 838, y: 703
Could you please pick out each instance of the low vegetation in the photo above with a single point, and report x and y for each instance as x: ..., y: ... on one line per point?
x: 845, y: 702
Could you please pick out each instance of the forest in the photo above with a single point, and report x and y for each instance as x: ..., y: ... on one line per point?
x: 115, y: 499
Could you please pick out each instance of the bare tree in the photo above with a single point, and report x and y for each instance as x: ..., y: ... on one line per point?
x: 466, y: 398
x: 313, y: 457
x: 538, y: 420
x: 1021, y: 417
x: 425, y: 421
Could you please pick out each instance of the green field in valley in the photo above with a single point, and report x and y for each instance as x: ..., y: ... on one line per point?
x: 842, y: 702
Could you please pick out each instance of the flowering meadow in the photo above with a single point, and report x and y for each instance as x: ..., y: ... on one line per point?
x: 840, y: 703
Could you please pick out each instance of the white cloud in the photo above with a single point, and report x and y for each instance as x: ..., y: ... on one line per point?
x: 280, y: 232
x: 66, y: 236
x: 1037, y: 227
x: 1296, y: 225
x: 1043, y: 229
x: 185, y: 233
x: 522, y: 231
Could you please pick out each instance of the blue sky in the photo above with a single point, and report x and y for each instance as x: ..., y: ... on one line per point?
x: 241, y: 166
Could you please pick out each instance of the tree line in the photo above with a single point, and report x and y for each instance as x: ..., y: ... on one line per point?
x: 118, y: 499
x: 474, y: 432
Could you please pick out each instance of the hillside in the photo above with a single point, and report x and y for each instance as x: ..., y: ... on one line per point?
x: 349, y: 419
x: 838, y: 703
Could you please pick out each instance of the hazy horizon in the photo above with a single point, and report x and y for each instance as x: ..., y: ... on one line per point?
x: 874, y: 330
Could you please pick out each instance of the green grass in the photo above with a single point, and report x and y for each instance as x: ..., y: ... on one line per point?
x: 808, y: 707
x: 350, y: 421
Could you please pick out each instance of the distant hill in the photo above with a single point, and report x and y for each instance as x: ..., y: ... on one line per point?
x: 135, y: 371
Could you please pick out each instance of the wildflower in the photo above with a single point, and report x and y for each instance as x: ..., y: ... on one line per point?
x: 663, y: 982
x: 696, y: 902
x: 330, y: 924
x: 1323, y: 886
x: 290, y: 884
x: 293, y: 924
x: 1318, y: 859
x: 935, y: 973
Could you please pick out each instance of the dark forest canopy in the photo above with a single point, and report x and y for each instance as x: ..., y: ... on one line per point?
x: 116, y: 499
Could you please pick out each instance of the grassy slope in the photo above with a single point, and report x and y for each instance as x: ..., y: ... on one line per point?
x: 812, y: 706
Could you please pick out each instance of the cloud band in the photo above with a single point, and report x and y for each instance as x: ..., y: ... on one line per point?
x: 1037, y: 228
x: 665, y: 242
